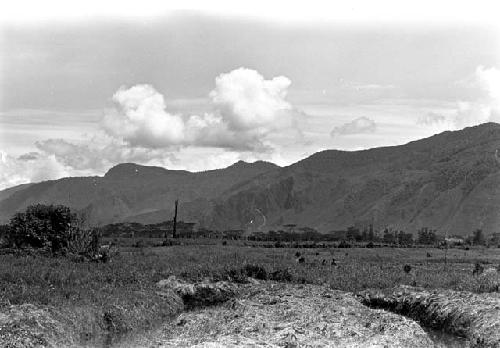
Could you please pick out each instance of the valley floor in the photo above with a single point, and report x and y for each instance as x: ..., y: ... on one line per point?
x: 94, y: 304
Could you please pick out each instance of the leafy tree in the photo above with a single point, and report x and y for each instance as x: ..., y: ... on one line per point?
x: 426, y: 236
x: 353, y: 234
x: 371, y: 234
x: 388, y: 237
x: 54, y: 227
x: 405, y: 238
x: 478, y: 237
x: 41, y: 225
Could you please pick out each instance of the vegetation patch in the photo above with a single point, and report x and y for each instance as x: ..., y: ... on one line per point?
x: 474, y: 316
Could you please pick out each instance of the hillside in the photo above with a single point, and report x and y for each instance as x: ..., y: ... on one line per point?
x: 131, y: 192
x: 450, y: 181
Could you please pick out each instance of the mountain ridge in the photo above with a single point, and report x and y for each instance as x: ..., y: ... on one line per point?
x: 447, y: 181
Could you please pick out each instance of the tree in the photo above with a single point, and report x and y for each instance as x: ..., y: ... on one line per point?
x: 388, y: 237
x: 353, y: 234
x: 54, y: 227
x: 364, y: 235
x: 426, y: 236
x: 405, y: 238
x: 478, y: 237
x: 371, y: 235
x: 41, y: 225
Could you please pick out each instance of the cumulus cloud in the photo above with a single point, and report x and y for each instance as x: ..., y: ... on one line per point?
x: 141, y: 119
x: 245, y: 100
x: 246, y: 108
x: 73, y: 155
x: 98, y: 153
x: 360, y: 125
x: 32, y: 168
x: 487, y: 107
x: 489, y: 80
x: 484, y: 84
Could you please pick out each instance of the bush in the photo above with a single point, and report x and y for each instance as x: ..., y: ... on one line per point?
x: 83, y: 241
x: 40, y: 226
x: 344, y: 244
x: 54, y: 228
x: 255, y: 271
x: 170, y: 242
x: 281, y: 275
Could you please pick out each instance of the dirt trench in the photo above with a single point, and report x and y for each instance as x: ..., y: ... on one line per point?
x: 270, y: 314
x: 475, y: 317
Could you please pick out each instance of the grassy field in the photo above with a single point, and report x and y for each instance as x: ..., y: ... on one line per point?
x: 120, y: 296
x: 42, y: 280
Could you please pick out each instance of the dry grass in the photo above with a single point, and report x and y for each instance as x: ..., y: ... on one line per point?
x: 120, y: 296
x: 476, y: 317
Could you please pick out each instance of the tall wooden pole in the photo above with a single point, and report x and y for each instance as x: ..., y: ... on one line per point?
x: 174, y: 229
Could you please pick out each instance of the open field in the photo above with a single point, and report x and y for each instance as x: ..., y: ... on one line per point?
x: 114, y: 298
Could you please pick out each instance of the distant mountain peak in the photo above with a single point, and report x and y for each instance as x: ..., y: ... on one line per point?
x: 259, y: 165
x: 126, y: 170
x: 242, y: 163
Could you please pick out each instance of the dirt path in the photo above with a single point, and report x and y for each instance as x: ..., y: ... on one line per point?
x: 284, y: 315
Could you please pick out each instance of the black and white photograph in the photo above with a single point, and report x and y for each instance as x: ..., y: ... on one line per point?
x: 249, y: 174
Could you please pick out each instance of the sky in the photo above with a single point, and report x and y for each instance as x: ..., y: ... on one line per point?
x: 198, y: 87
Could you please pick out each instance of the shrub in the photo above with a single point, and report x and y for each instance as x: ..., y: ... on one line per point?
x: 170, y: 242
x: 344, y: 244
x: 52, y: 227
x: 255, y: 271
x: 41, y: 226
x: 281, y: 275
x: 83, y: 241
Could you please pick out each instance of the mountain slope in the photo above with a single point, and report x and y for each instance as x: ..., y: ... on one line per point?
x: 450, y: 181
x: 129, y: 190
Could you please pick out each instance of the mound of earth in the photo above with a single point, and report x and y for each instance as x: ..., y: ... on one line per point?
x: 474, y: 316
x: 31, y: 326
x: 285, y: 315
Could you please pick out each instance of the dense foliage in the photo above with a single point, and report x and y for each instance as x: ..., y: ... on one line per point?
x: 52, y: 227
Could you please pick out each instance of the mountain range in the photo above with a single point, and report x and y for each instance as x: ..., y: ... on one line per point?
x: 449, y: 182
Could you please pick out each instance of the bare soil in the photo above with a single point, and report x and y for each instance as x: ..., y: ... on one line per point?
x: 464, y: 314
x: 272, y: 314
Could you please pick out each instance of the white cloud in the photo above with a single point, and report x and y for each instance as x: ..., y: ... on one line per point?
x: 141, y: 119
x: 33, y: 168
x: 360, y: 125
x: 483, y: 106
x: 246, y: 108
x: 489, y: 80
x: 246, y: 101
x: 486, y: 107
x: 73, y: 155
x: 98, y: 154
